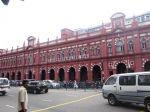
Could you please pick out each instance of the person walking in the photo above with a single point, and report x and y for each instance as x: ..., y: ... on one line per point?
x: 75, y: 85
x: 23, y: 97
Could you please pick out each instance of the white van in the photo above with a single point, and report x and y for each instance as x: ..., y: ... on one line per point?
x: 4, y: 85
x: 128, y: 87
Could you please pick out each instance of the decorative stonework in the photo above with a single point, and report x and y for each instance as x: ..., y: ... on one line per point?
x: 49, y: 68
x: 80, y: 65
x: 119, y: 39
x: 144, y: 60
x: 113, y: 64
x: 98, y: 64
x: 73, y: 66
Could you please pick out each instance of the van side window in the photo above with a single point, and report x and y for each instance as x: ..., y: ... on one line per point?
x: 127, y: 80
x: 144, y: 80
x: 111, y: 81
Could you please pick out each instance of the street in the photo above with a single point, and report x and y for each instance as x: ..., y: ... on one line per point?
x: 60, y: 100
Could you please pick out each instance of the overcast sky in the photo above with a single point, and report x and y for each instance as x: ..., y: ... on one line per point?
x: 44, y: 19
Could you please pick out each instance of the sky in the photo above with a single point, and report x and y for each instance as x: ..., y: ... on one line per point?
x: 44, y: 19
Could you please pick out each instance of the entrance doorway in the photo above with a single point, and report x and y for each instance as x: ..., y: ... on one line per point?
x: 19, y: 75
x: 43, y: 75
x: 71, y: 74
x: 52, y: 74
x: 83, y: 73
x: 147, y: 66
x: 121, y: 68
x: 30, y: 75
x: 61, y: 74
x: 96, y: 73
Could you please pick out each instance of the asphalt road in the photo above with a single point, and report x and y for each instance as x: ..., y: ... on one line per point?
x: 60, y: 100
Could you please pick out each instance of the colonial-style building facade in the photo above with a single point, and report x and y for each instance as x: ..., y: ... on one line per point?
x: 91, y: 54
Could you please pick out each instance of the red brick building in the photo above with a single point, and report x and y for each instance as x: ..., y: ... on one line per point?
x: 123, y: 45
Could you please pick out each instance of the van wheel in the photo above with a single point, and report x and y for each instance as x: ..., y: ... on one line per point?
x: 112, y: 100
x: 3, y: 93
x: 147, y: 105
x: 46, y: 90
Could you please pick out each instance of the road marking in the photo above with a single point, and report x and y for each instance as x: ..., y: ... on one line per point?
x: 67, y: 103
x: 47, y: 100
x: 9, y: 106
x: 10, y: 95
x: 72, y: 95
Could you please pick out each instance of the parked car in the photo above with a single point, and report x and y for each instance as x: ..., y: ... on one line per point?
x: 37, y: 87
x: 4, y: 85
x: 18, y: 82
x: 128, y: 87
x: 52, y: 84
x: 12, y: 82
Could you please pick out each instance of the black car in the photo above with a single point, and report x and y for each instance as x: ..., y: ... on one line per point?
x: 37, y: 87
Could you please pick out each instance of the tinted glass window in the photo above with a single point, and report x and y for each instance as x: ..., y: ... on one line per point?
x: 33, y: 83
x: 111, y: 81
x: 127, y: 80
x: 144, y: 80
x: 3, y: 82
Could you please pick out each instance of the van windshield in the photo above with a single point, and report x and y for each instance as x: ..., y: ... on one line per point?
x: 3, y: 82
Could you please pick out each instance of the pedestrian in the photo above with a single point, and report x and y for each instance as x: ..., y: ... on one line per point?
x: 66, y: 85
x: 23, y: 97
x: 75, y: 84
x: 97, y: 84
x: 84, y: 84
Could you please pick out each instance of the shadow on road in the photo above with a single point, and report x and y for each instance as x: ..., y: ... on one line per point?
x: 138, y: 107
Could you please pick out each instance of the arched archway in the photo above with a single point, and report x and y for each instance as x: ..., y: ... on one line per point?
x: 13, y: 76
x: 121, y: 68
x: 30, y: 75
x: 7, y: 75
x: 19, y: 75
x: 147, y: 66
x: 96, y: 73
x: 52, y: 74
x: 2, y: 75
x: 83, y: 73
x: 72, y: 74
x: 43, y: 75
x: 61, y: 74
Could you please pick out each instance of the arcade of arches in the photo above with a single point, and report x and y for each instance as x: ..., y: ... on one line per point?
x: 80, y: 74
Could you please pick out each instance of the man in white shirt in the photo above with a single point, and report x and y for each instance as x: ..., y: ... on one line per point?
x: 23, y: 97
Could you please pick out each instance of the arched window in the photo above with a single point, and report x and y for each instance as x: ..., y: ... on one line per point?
x: 119, y: 46
x: 109, y: 48
x: 62, y: 55
x: 143, y: 43
x: 130, y: 46
x: 52, y: 57
x: 58, y: 56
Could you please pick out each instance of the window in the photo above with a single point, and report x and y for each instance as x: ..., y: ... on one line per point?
x: 111, y: 81
x: 142, y: 18
x: 119, y: 46
x: 62, y: 56
x: 109, y: 48
x: 95, y: 50
x: 144, y: 80
x: 127, y: 80
x: 143, y: 43
x: 130, y: 46
x: 147, y: 17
